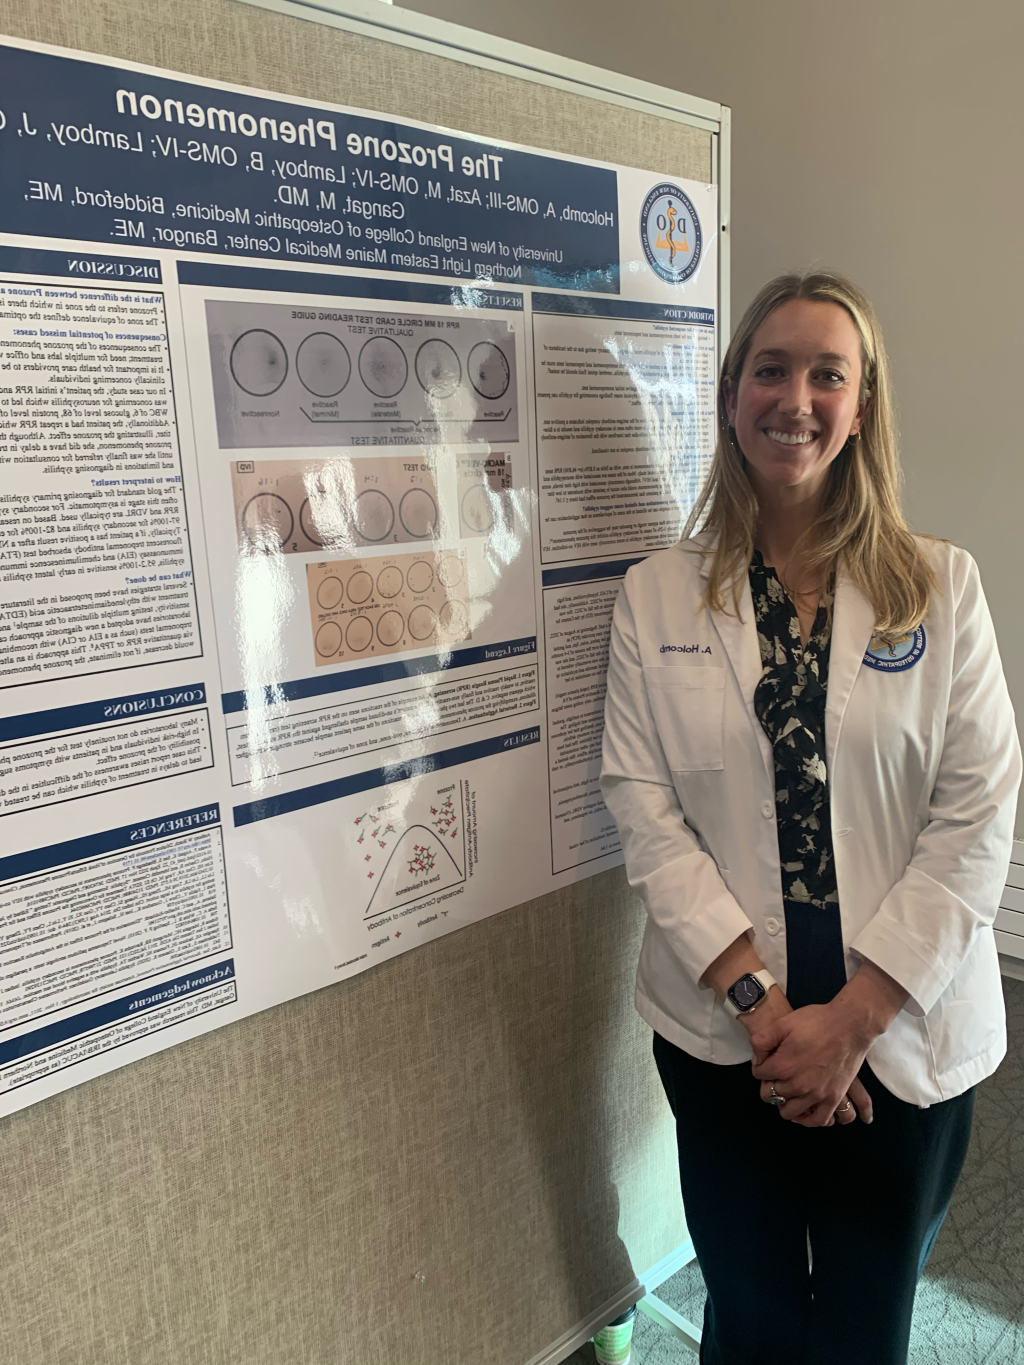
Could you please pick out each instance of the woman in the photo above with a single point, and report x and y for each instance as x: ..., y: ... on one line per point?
x: 810, y: 754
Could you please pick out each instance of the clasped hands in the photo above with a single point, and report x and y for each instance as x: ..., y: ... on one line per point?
x: 811, y: 1056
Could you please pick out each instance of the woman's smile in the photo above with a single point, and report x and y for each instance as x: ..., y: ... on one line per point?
x: 790, y: 438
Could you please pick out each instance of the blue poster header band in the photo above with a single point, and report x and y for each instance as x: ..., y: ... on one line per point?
x: 346, y: 286
x: 80, y: 266
x: 108, y: 841
x: 623, y: 308
x: 288, y: 802
x: 90, y: 151
x: 113, y: 709
x: 583, y: 573
x: 139, y: 1002
x: 378, y: 673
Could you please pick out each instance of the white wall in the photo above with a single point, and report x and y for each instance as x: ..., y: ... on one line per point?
x: 885, y: 139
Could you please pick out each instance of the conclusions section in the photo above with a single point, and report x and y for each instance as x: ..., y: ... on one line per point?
x: 68, y: 752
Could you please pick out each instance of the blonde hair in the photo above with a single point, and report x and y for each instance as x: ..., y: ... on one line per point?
x: 861, y: 525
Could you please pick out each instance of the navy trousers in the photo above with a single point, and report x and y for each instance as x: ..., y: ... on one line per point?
x: 870, y: 1197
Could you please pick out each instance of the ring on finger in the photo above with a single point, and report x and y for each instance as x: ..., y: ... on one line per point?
x: 845, y: 1108
x: 775, y: 1098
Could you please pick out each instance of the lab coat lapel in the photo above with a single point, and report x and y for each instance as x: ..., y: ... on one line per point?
x: 853, y: 621
x: 739, y: 641
x: 738, y: 635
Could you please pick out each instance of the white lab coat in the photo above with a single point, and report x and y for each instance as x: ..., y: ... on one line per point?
x: 924, y: 765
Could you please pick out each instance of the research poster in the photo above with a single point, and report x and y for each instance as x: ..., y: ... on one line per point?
x: 325, y: 442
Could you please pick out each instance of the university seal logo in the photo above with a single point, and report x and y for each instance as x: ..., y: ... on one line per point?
x: 670, y: 233
x: 896, y: 657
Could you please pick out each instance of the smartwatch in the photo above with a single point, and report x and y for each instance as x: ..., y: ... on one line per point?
x: 748, y: 992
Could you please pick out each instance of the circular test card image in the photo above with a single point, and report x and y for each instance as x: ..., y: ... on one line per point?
x: 308, y: 524
x: 420, y: 576
x: 451, y: 571
x: 421, y: 622
x: 390, y: 628
x: 375, y: 515
x: 259, y: 363
x: 453, y: 620
x: 476, y: 507
x: 438, y: 368
x: 329, y: 594
x: 328, y: 639
x: 267, y: 521
x: 488, y: 369
x: 359, y: 634
x: 360, y: 585
x: 383, y: 367
x: 418, y: 513
x: 389, y: 581
x: 323, y: 364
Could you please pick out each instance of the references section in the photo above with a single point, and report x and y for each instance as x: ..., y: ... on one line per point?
x: 86, y: 925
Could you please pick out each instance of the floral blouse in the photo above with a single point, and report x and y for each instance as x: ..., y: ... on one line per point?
x: 790, y: 704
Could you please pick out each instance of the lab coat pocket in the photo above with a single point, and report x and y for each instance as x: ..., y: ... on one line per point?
x: 687, y: 704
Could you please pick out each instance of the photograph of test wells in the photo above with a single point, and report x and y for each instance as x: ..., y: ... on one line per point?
x: 345, y: 504
x: 362, y: 608
x: 291, y: 375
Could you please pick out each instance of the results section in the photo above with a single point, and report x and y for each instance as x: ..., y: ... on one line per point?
x: 399, y: 584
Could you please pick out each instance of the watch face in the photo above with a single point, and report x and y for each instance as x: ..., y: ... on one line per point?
x: 746, y: 992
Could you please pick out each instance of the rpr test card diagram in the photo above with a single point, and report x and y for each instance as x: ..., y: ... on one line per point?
x: 298, y: 376
x: 405, y: 856
x: 363, y: 608
x: 301, y: 506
